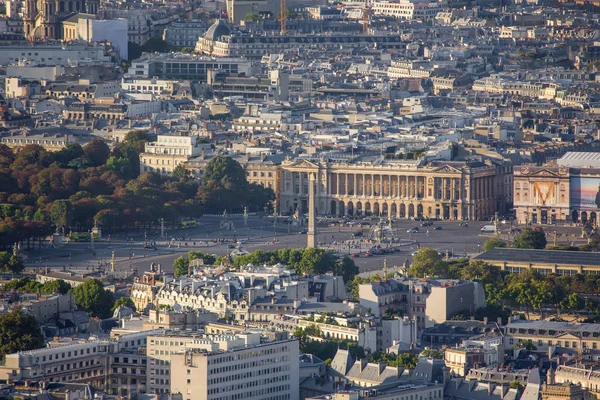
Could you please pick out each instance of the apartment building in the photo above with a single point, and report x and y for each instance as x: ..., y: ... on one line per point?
x: 83, y: 90
x: 545, y: 334
x: 461, y: 359
x: 160, y: 348
x: 185, y: 66
x: 183, y: 362
x: 240, y: 366
x: 410, y: 69
x: 220, y: 41
x: 428, y: 303
x: 46, y: 308
x: 54, y: 142
x: 184, y: 33
x: 403, y: 391
x: 167, y: 152
x: 147, y: 85
x: 116, y: 365
x: 265, y: 122
x: 408, y: 9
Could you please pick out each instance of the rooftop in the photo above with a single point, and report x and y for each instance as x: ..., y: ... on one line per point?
x: 526, y: 256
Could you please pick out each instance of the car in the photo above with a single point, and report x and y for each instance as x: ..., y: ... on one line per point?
x: 302, y: 232
x: 437, y: 228
x: 419, y: 219
x: 150, y: 247
x: 426, y: 223
x: 413, y: 230
x: 357, y: 234
x: 231, y: 246
x: 355, y: 255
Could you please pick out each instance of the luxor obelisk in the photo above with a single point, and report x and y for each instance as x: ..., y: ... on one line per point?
x: 311, y: 234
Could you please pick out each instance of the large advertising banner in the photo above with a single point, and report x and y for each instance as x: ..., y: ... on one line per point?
x: 585, y: 193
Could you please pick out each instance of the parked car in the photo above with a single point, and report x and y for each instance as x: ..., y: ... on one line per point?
x: 413, y: 230
x: 437, y: 228
x: 426, y: 223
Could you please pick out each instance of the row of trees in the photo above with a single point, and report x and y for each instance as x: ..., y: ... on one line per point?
x: 528, y: 290
x: 181, y: 264
x: 303, y: 261
x: 78, y: 186
x: 325, y: 350
x: 19, y: 332
x: 528, y: 239
x: 10, y: 263
x: 91, y: 296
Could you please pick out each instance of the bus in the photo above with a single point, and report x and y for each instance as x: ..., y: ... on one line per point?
x: 82, y: 237
x: 187, y: 224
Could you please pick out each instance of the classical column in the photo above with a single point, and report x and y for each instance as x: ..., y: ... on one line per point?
x: 346, y: 187
x: 381, y: 187
x: 311, y: 235
x: 403, y: 187
x: 372, y: 185
x: 364, y: 185
x: 354, y: 191
x: 337, y: 184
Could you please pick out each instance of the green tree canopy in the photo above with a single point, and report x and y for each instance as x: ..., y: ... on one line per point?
x: 92, y: 298
x: 123, y: 301
x: 427, y: 262
x: 10, y: 262
x: 97, y: 151
x: 492, y: 243
x: 180, y: 265
x: 253, y: 17
x: 225, y: 170
x: 19, y: 332
x: 58, y: 286
x: 207, y: 258
x: 346, y: 268
x: 531, y: 239
x: 61, y: 213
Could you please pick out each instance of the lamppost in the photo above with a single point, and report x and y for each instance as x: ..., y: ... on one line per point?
x: 246, y: 223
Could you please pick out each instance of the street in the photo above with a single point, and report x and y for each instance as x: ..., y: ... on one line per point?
x: 262, y: 233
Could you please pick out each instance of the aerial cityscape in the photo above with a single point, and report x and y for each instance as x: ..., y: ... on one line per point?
x: 299, y: 200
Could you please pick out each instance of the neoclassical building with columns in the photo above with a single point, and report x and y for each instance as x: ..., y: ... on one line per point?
x: 400, y: 188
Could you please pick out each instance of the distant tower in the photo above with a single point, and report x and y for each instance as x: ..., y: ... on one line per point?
x: 29, y: 18
x: 49, y: 26
x: 311, y: 234
x: 92, y: 6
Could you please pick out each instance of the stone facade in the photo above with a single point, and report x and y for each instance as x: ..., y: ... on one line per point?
x: 543, y: 195
x: 402, y: 189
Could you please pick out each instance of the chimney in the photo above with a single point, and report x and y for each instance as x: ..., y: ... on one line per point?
x: 499, y: 321
x: 363, y: 363
x: 381, y: 366
x: 158, y: 269
x: 485, y: 320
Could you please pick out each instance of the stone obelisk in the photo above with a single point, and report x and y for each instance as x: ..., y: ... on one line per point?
x: 311, y: 235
